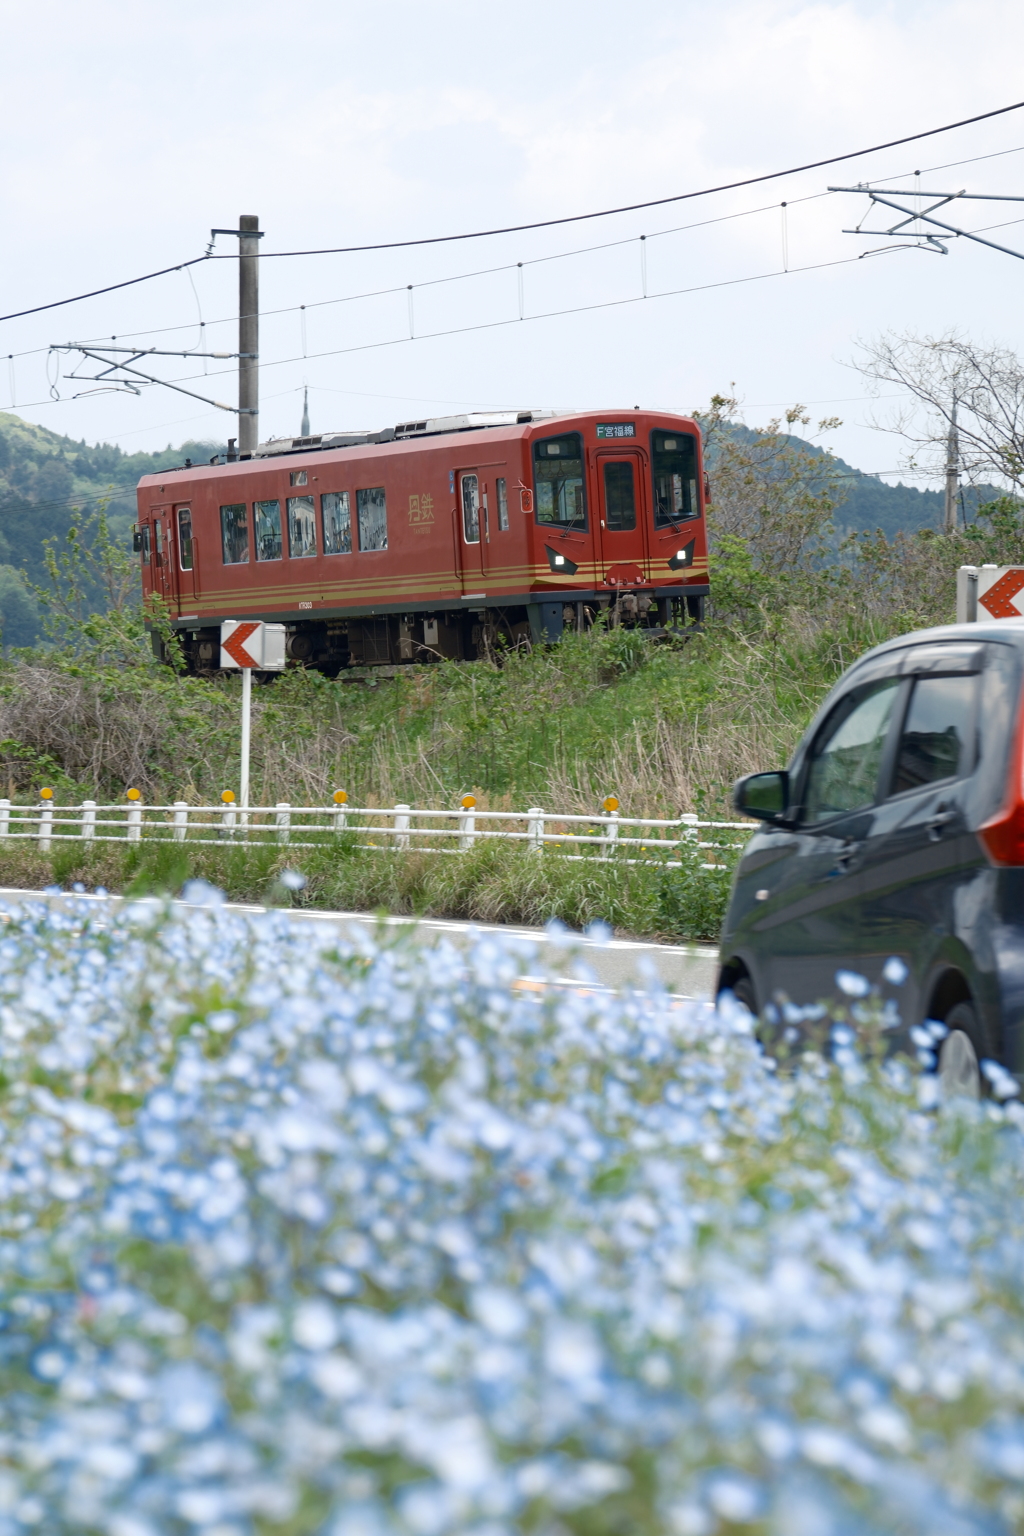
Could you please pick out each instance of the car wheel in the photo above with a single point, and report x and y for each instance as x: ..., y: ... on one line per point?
x: 959, y: 1073
x: 743, y: 991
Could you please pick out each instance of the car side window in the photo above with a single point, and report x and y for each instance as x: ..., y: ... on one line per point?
x: 842, y: 774
x: 934, y: 742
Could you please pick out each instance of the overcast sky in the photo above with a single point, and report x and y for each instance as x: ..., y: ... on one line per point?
x: 132, y: 129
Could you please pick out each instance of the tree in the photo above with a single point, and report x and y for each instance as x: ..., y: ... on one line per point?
x: 90, y: 562
x: 984, y: 384
x: 770, y: 520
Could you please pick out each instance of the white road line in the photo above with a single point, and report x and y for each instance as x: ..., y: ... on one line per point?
x: 687, y: 970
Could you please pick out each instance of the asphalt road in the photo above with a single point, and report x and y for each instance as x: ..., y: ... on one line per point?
x: 686, y: 970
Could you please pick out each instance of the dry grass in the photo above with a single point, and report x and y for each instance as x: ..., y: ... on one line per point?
x: 667, y: 730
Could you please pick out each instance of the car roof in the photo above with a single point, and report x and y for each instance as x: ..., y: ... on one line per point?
x: 1008, y: 631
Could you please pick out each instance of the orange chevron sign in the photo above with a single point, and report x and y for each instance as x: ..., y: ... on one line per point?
x: 234, y: 644
x: 999, y: 600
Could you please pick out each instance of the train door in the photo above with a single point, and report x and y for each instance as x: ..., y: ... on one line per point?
x: 182, y: 554
x: 623, y: 516
x: 160, y: 565
x: 473, y: 532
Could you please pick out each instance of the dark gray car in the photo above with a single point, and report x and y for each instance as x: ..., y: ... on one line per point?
x: 898, y: 831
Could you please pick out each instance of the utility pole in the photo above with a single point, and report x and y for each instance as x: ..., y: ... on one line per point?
x: 952, y: 473
x: 248, y: 334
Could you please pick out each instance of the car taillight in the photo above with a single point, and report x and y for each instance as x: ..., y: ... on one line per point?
x: 1003, y: 833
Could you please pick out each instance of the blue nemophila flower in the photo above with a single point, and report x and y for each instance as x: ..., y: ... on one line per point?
x: 341, y: 1234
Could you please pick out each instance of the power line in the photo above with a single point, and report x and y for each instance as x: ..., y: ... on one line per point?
x: 657, y: 202
x: 531, y: 261
x: 579, y: 309
x: 510, y: 229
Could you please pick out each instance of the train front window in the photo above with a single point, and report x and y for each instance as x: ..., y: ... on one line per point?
x: 558, y: 475
x: 185, y: 537
x: 267, y: 516
x: 619, y: 495
x: 234, y: 534
x: 674, y: 471
x: 301, y: 527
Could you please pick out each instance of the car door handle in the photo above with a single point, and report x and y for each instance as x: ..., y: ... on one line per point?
x: 942, y: 817
x: 846, y: 855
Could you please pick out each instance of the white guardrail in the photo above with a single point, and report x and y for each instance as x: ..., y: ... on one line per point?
x: 607, y: 835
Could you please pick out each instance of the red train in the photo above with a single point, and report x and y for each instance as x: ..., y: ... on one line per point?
x: 435, y: 538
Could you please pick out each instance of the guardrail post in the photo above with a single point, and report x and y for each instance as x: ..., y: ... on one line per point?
x: 45, y: 826
x: 535, y: 829
x: 467, y: 829
x: 689, y: 825
x: 135, y: 823
x: 227, y: 819
x: 402, y: 823
x: 340, y: 818
x: 5, y: 818
x: 611, y: 835
x: 180, y: 820
x: 283, y: 820
x: 467, y: 823
x: 88, y: 820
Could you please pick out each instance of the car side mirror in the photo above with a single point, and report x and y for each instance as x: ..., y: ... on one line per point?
x: 765, y: 796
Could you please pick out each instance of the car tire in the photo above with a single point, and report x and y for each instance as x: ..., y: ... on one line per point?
x: 958, y: 1068
x: 742, y: 990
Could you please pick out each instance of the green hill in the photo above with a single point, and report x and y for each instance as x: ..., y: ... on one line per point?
x: 42, y: 477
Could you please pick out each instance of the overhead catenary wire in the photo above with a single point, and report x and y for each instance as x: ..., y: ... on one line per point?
x: 578, y: 309
x: 576, y: 218
x: 537, y: 260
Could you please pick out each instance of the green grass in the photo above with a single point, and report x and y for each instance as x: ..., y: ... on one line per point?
x: 495, y: 883
x: 666, y: 728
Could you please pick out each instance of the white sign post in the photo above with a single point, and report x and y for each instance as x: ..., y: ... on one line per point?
x: 253, y: 647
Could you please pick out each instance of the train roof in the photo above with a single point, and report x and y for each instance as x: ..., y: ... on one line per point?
x: 430, y: 426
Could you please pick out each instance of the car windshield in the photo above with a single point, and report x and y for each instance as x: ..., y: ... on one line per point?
x: 558, y: 473
x: 674, y: 471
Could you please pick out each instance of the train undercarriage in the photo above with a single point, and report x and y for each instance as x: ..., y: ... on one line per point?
x: 334, y: 645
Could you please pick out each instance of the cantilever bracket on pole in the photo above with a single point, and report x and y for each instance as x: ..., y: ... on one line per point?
x: 111, y: 368
x: 248, y: 234
x: 884, y: 197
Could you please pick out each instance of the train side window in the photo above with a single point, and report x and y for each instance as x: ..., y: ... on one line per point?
x: 674, y: 472
x: 267, y: 517
x: 501, y: 491
x: 337, y: 523
x: 185, y: 550
x: 558, y: 475
x: 147, y: 546
x: 297, y: 477
x: 471, y: 508
x: 371, y: 511
x: 301, y: 527
x: 158, y: 526
x: 234, y: 534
